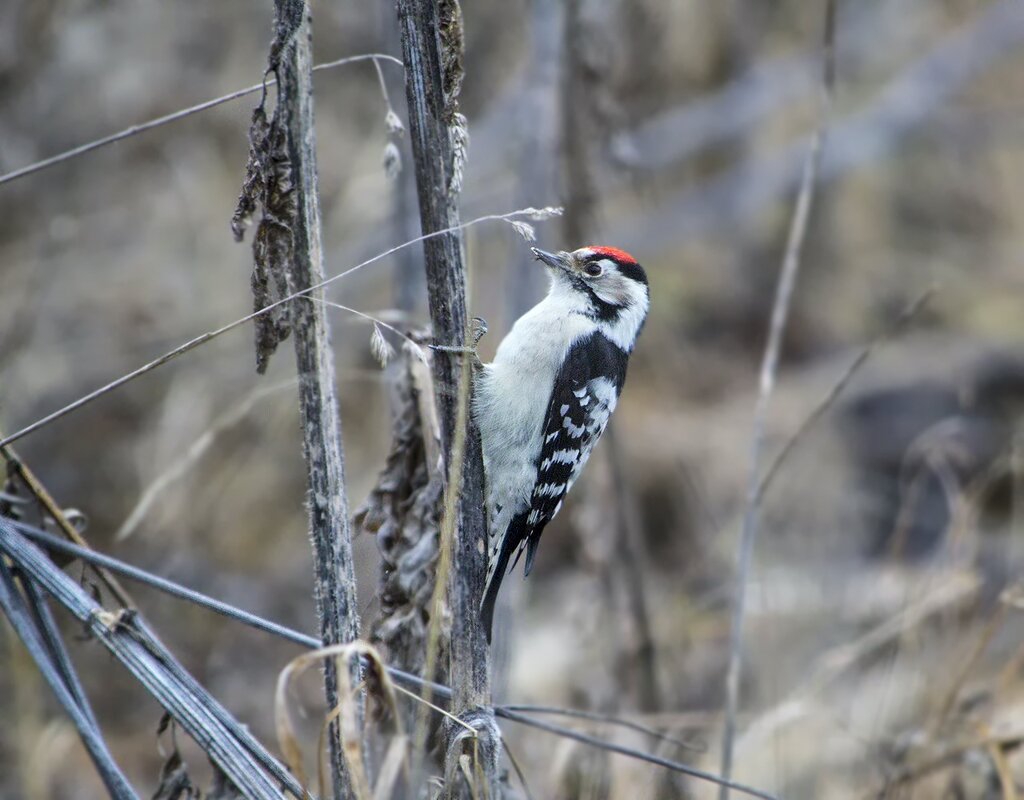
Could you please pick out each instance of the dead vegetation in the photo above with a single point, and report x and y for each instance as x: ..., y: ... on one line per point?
x: 881, y: 650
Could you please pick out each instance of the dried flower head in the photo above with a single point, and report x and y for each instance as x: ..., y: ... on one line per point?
x: 541, y: 214
x: 524, y: 229
x: 394, y: 124
x: 380, y: 347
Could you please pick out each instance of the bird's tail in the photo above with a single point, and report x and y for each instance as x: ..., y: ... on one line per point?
x: 491, y: 592
x: 496, y: 570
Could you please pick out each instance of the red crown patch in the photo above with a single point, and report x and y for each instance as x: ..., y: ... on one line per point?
x: 614, y: 253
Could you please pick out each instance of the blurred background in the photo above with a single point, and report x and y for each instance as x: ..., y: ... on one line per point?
x: 883, y: 651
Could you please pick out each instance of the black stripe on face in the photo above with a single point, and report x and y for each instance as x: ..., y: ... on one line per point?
x: 600, y: 309
x: 633, y: 270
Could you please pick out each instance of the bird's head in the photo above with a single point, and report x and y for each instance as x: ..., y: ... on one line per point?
x: 604, y: 282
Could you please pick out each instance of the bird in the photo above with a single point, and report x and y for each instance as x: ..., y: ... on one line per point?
x: 546, y: 398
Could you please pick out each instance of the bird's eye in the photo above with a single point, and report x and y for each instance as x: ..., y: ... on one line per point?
x: 593, y: 269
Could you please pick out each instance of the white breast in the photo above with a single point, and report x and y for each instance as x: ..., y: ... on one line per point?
x: 511, y: 400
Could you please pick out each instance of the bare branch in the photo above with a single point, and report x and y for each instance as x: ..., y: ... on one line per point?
x: 841, y: 383
x: 142, y: 127
x: 125, y: 634
x: 192, y: 344
x: 611, y: 747
x: 68, y: 691
x: 431, y: 36
x: 291, y: 59
x: 15, y: 466
x: 769, y: 366
x: 193, y: 453
x: 512, y: 713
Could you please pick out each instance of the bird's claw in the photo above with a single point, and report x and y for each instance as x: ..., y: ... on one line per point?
x: 478, y: 330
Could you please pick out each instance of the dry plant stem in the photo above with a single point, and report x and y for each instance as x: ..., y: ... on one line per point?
x: 348, y: 711
x: 769, y: 366
x: 841, y: 383
x: 951, y: 754
x: 50, y: 633
x: 67, y: 691
x: 593, y: 716
x: 244, y: 760
x: 432, y: 117
x: 954, y: 592
x: 1006, y: 779
x: 50, y: 576
x: 134, y: 130
x: 181, y: 466
x: 329, y: 527
x: 202, y: 339
x: 53, y: 510
x: 568, y: 733
x: 960, y: 677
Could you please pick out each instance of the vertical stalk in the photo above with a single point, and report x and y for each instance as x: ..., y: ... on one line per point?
x: 335, y: 588
x: 431, y: 50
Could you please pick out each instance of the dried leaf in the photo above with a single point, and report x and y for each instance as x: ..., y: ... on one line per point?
x: 403, y: 513
x: 254, y: 181
x: 387, y: 776
x: 175, y: 783
x: 267, y: 185
x: 348, y: 713
x: 221, y: 787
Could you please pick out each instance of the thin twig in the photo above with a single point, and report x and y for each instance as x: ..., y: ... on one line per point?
x: 949, y: 697
x: 249, y: 765
x: 376, y: 321
x: 431, y: 36
x: 650, y: 758
x: 841, y: 383
x: 519, y: 771
x: 13, y: 605
x: 1007, y: 781
x: 49, y: 541
x: 608, y: 719
x: 769, y: 366
x: 181, y: 466
x: 191, y: 344
x: 330, y: 530
x: 50, y: 634
x: 56, y: 513
x: 142, y: 127
x: 443, y: 712
x: 951, y: 593
x: 949, y: 754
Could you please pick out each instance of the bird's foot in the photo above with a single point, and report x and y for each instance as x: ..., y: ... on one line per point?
x: 476, y: 332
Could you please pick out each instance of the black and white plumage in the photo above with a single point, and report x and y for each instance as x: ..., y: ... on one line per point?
x: 545, y: 400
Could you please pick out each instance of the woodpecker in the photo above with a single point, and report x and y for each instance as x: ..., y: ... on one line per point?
x: 544, y: 401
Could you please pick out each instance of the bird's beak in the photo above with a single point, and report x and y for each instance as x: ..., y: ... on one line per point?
x: 559, y: 261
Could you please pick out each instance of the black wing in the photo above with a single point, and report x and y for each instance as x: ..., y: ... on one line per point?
x: 582, y: 400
